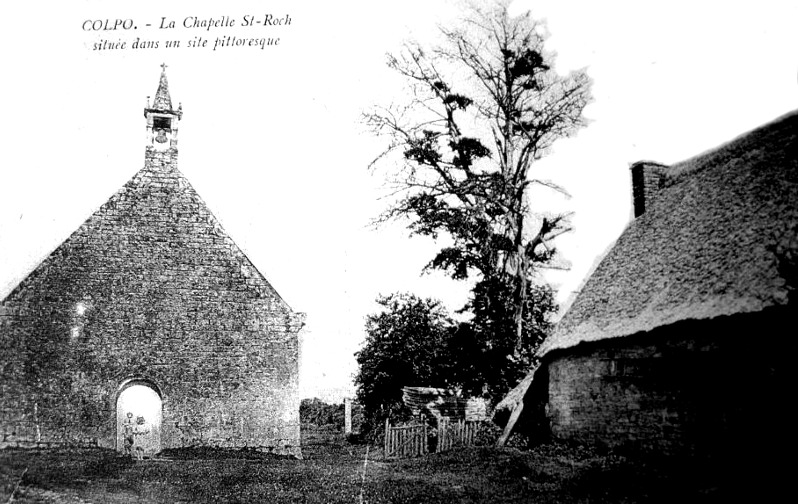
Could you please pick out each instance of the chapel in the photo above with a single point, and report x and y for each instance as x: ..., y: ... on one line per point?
x: 149, y: 323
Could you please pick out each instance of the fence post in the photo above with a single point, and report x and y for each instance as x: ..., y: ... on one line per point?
x: 387, y: 433
x: 441, y: 435
x: 446, y: 434
x: 347, y: 416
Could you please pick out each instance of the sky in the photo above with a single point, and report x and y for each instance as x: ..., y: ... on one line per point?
x: 272, y: 138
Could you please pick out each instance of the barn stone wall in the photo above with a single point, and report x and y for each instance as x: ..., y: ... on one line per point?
x: 150, y: 287
x: 692, y: 388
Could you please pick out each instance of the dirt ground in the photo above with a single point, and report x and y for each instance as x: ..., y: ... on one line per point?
x: 335, y: 471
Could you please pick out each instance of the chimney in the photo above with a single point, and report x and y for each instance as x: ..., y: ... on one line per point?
x: 647, y: 179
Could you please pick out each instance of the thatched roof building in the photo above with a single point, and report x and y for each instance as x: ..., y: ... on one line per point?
x: 653, y: 332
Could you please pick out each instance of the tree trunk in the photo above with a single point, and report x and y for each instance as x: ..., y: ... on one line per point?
x: 520, y: 289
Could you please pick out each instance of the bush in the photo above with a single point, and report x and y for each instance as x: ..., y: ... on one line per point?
x: 317, y: 412
x: 488, y: 434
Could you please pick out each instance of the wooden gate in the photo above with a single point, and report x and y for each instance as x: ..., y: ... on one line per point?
x: 411, y: 440
x: 455, y: 433
x: 405, y: 440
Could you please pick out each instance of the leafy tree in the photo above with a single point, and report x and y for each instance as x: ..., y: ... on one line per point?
x: 483, y: 107
x: 487, y: 363
x: 413, y: 341
x: 407, y: 344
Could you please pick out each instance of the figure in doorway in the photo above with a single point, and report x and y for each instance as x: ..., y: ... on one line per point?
x: 137, y: 431
x: 130, y: 429
x: 128, y: 434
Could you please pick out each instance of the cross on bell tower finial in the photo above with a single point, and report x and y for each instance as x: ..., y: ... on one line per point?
x: 163, y: 67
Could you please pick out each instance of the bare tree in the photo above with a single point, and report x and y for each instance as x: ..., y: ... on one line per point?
x: 483, y: 107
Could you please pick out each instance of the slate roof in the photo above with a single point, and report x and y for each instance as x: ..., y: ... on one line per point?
x: 158, y: 201
x: 705, y: 247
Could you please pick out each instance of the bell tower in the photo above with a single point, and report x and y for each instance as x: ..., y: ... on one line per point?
x: 162, y: 119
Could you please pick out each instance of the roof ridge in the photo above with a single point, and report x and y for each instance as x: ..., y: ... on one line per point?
x: 677, y: 171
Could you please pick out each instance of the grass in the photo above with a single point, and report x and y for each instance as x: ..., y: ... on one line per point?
x: 332, y: 472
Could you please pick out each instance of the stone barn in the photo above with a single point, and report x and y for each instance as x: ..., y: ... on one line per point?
x: 148, y: 323
x: 681, y: 341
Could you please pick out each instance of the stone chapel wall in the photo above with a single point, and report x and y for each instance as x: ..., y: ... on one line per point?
x: 150, y: 287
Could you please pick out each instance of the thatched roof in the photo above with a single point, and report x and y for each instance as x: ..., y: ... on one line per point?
x: 706, y: 245
x: 703, y: 248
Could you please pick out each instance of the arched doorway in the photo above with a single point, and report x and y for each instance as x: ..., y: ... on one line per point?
x: 138, y: 418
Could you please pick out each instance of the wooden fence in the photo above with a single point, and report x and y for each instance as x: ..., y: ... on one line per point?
x: 405, y: 441
x: 412, y: 440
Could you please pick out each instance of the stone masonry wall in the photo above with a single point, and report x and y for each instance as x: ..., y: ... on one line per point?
x: 694, y: 388
x: 150, y: 287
